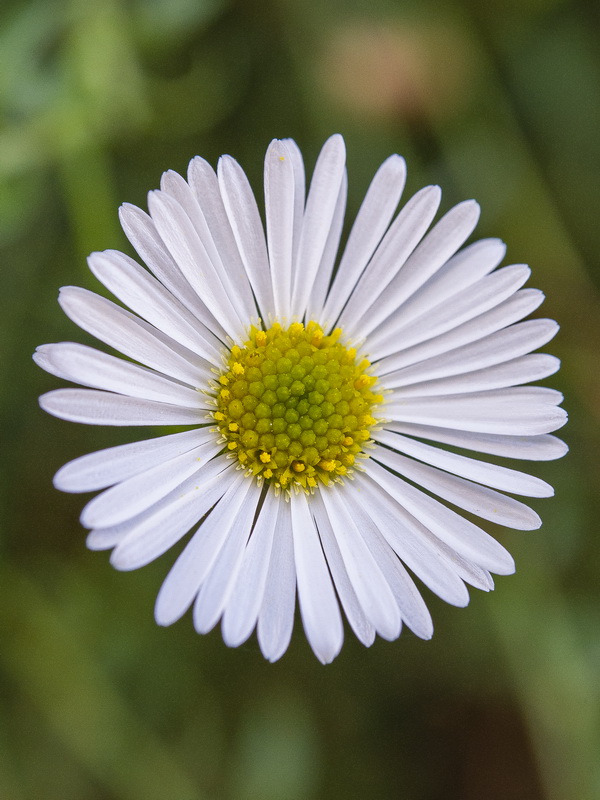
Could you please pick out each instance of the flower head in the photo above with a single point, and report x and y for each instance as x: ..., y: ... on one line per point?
x: 325, y: 401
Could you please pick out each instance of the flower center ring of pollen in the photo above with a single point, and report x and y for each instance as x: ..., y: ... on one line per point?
x: 294, y: 406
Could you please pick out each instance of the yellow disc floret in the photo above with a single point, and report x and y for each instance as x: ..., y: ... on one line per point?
x: 297, y: 409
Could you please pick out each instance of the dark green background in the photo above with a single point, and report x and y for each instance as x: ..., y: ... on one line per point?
x: 499, y: 101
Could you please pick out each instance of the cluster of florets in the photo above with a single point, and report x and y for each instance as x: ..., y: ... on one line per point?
x: 294, y: 406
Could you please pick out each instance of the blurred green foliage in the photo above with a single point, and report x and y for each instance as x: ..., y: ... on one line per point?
x: 499, y: 101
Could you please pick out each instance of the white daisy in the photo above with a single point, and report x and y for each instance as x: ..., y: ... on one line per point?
x: 316, y: 398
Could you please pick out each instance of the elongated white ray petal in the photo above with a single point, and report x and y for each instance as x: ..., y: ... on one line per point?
x: 103, y: 408
x: 528, y: 448
x: 506, y: 480
x: 487, y: 293
x: 370, y: 585
x: 432, y: 253
x: 365, y: 632
x: 497, y: 348
x: 142, y: 293
x: 186, y: 208
x: 279, y: 212
x: 130, y: 335
x: 475, y: 576
x: 523, y: 369
x: 155, y: 531
x: 458, y: 274
x: 317, y: 220
x: 406, y: 593
x: 415, y: 545
x: 136, y: 494
x: 115, y: 464
x: 105, y: 538
x: 515, y: 308
x: 205, y: 185
x: 400, y: 501
x: 510, y: 394
x: 90, y: 367
x: 246, y: 225
x: 242, y: 608
x: 390, y: 256
x: 184, y: 499
x: 370, y: 225
x: 476, y: 499
x: 412, y: 606
x: 514, y: 416
x: 321, y: 283
x: 179, y: 235
x: 463, y: 536
x: 276, y: 616
x: 235, y: 282
x: 195, y: 562
x: 318, y: 605
x: 141, y: 232
x: 299, y: 194
x: 216, y: 589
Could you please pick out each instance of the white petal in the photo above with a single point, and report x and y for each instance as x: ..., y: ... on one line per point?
x: 155, y: 531
x: 530, y: 448
x: 89, y: 367
x: 142, y: 293
x: 460, y: 534
x: 279, y: 212
x: 246, y: 224
x: 216, y: 590
x: 412, y: 606
x: 475, y: 331
x: 130, y: 335
x: 506, y: 480
x: 431, y: 254
x: 523, y: 369
x: 318, y: 605
x: 318, y: 216
x: 425, y: 555
x: 299, y: 194
x: 195, y: 562
x: 115, y: 464
x: 141, y: 232
x: 361, y: 626
x: 464, y: 569
x: 205, y: 185
x: 371, y: 223
x: 276, y: 616
x: 459, y: 273
x: 482, y: 296
x: 371, y: 587
x: 104, y: 408
x: 136, y: 494
x: 208, y: 281
x: 479, y: 500
x: 396, y: 246
x: 235, y: 281
x: 513, y: 415
x: 320, y: 286
x: 243, y: 606
x: 104, y: 538
x: 473, y: 575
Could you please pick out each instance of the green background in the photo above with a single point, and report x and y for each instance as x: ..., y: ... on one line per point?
x: 499, y: 101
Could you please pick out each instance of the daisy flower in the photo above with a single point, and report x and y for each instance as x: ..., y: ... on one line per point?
x: 327, y: 401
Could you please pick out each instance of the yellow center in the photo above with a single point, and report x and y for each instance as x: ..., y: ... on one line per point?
x: 294, y: 406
